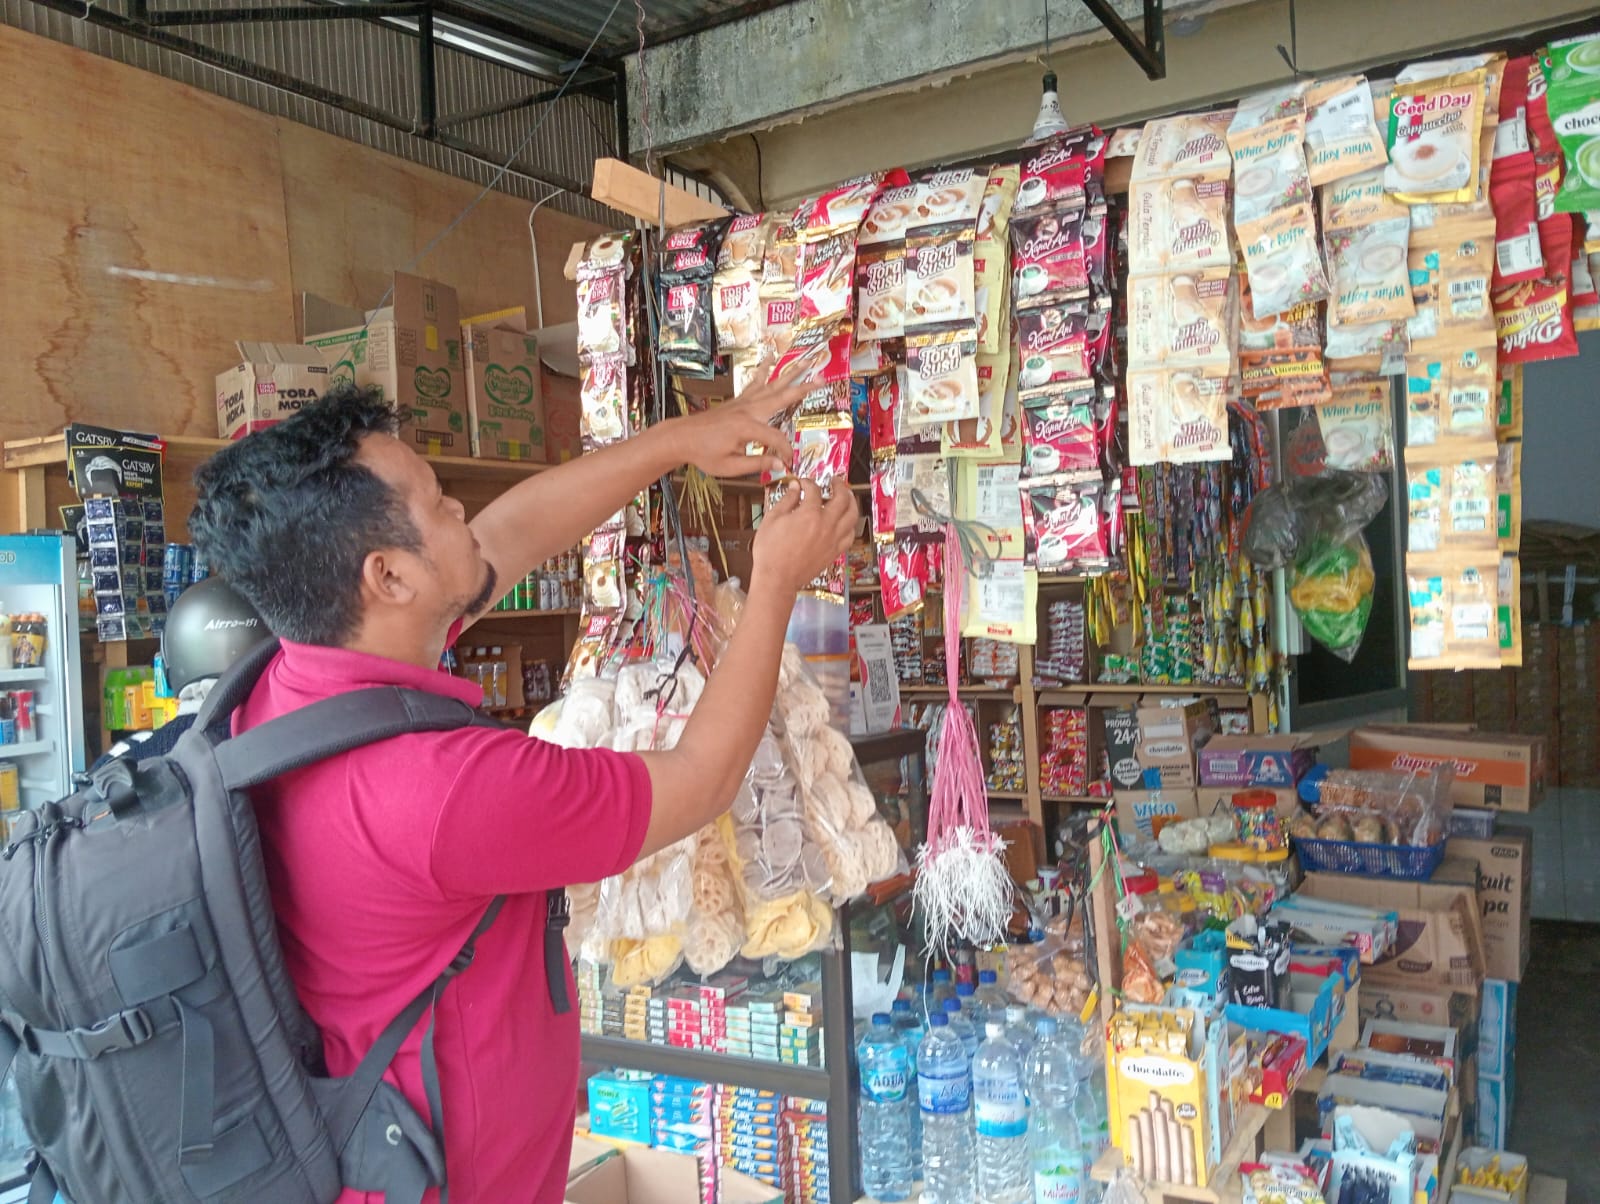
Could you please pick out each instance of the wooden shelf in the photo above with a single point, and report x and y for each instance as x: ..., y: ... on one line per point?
x: 1058, y: 696
x: 1077, y: 800
x: 1010, y: 796
x: 561, y: 613
x: 986, y: 692
x: 50, y: 451
x: 1224, y: 1188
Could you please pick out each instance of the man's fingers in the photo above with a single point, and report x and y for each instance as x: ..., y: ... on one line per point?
x: 776, y: 441
x: 787, y: 501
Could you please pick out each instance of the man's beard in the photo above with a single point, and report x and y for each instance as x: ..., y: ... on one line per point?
x: 489, y: 592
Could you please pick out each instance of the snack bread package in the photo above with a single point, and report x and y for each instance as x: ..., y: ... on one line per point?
x: 1178, y: 416
x: 1450, y: 399
x: 1454, y: 608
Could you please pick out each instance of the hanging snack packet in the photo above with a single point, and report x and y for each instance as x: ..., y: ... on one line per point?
x: 881, y: 297
x: 744, y: 244
x: 885, y: 477
x: 827, y: 280
x: 1450, y: 288
x: 820, y: 351
x: 684, y: 336
x: 602, y: 316
x: 826, y: 401
x: 948, y: 198
x: 1359, y: 201
x: 603, y: 401
x: 1371, y: 282
x: 1178, y: 224
x: 1358, y: 427
x: 1184, y: 318
x: 822, y: 448
x: 903, y: 572
x: 1374, y: 348
x: 1572, y: 71
x: 883, y: 411
x: 940, y: 284
x: 841, y: 208
x: 736, y: 309
x: 1425, y: 502
x: 1434, y: 138
x: 1269, y: 168
x: 886, y: 221
x: 1533, y: 321
x: 1178, y: 416
x: 1283, y: 262
x: 1049, y: 256
x: 1193, y: 145
x: 942, y: 376
x: 1341, y: 137
x: 1060, y: 434
x: 1508, y: 616
x: 922, y: 497
x: 1062, y: 344
x: 1513, y: 196
x: 991, y: 259
x: 1508, y: 496
x: 1450, y: 400
x: 780, y: 262
x: 979, y: 438
x: 692, y: 250
x: 1059, y: 172
x: 1065, y: 530
x: 1280, y: 356
x: 1508, y: 402
x: 777, y: 327
x: 1454, y: 611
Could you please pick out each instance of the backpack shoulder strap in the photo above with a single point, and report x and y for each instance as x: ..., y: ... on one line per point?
x: 235, y: 685
x: 335, y: 725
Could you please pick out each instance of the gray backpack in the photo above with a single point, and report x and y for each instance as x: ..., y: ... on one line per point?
x: 161, y: 1055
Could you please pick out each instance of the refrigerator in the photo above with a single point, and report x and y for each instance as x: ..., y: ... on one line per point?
x: 43, y: 743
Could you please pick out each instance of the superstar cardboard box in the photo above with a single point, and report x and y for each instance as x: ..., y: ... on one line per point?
x: 1493, y: 769
x: 505, y: 396
x: 410, y: 348
x: 1505, y: 896
x: 1440, y: 941
x: 271, y: 382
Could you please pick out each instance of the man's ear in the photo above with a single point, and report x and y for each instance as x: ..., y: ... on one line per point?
x: 386, y: 578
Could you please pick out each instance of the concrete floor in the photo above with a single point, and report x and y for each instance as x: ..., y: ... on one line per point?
x: 1556, y: 1119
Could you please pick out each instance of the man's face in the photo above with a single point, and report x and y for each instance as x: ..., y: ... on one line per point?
x: 450, y: 574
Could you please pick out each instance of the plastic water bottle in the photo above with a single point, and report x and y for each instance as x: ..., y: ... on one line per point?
x: 1001, y: 1107
x: 908, y: 1024
x: 962, y: 1026
x: 885, y: 1121
x: 992, y: 1001
x: 1055, y: 1142
x: 940, y: 989
x: 1094, y: 1121
x: 1020, y: 1032
x: 944, y: 1089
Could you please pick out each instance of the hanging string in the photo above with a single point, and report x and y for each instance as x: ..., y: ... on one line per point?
x: 644, y: 94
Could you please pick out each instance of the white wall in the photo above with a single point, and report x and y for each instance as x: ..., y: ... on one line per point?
x: 1561, y: 437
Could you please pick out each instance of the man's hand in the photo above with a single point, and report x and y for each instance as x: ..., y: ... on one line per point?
x: 717, y: 441
x: 801, y: 535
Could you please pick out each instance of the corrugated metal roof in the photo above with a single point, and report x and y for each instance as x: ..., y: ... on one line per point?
x: 572, y: 23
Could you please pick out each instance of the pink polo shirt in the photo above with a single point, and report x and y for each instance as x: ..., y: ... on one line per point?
x: 382, y: 860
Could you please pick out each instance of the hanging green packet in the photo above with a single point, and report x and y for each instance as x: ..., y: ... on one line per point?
x: 1572, y: 72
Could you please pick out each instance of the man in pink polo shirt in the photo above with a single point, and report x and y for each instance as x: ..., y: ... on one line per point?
x: 383, y: 860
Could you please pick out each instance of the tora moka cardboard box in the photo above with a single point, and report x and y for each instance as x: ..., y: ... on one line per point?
x: 271, y: 382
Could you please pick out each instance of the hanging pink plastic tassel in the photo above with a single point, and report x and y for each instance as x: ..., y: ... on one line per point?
x: 963, y: 889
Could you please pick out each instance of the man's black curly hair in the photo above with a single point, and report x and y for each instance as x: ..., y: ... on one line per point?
x: 288, y: 517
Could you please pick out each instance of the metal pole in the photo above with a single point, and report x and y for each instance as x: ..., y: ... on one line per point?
x: 234, y: 16
x: 427, y: 96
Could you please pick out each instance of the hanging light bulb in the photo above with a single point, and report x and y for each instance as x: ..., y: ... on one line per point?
x: 1050, y: 120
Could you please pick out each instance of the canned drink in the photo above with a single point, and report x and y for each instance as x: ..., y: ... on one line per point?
x: 23, y: 700
x: 10, y: 788
x: 176, y: 564
x: 199, y: 569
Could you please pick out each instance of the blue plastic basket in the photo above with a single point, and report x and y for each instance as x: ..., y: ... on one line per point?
x: 1412, y: 862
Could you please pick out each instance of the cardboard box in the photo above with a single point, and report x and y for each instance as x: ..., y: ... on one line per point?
x: 1423, y: 1005
x: 638, y: 1175
x: 1122, y: 747
x: 1169, y: 739
x: 1492, y: 769
x: 271, y: 382
x: 411, y: 349
x: 1505, y: 897
x: 1441, y: 934
x: 1496, y: 1097
x: 505, y: 394
x: 1137, y: 809
x: 1275, y: 761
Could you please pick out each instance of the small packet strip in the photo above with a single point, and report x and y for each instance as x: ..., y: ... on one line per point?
x: 1357, y: 426
x: 1342, y: 138
x: 1064, y: 523
x: 684, y: 282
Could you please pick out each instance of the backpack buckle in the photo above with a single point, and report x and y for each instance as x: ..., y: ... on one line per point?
x: 557, y: 911
x: 125, y: 1030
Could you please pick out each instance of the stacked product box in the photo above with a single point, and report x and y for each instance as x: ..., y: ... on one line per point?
x: 636, y: 1014
x: 806, y: 1123
x: 750, y: 1135
x: 684, y: 1026
x: 715, y: 996
x: 589, y: 977
x: 682, y: 1113
x: 800, y: 1038
x: 754, y: 1024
